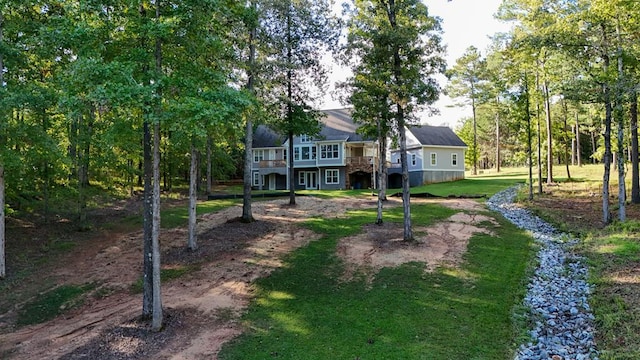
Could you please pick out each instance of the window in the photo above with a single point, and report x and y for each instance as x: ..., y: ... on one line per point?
x: 256, y: 179
x: 284, y: 154
x: 304, y: 153
x: 258, y: 155
x: 332, y: 176
x: 329, y: 151
x: 413, y: 159
x: 454, y: 159
x: 305, y: 138
x: 302, y: 177
x: 434, y: 159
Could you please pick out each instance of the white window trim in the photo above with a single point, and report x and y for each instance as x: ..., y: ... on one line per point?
x: 335, y: 173
x: 256, y: 178
x: 433, y: 159
x: 302, y: 176
x: 304, y: 138
x: 454, y: 159
x: 258, y: 155
x: 413, y: 159
x: 330, y: 149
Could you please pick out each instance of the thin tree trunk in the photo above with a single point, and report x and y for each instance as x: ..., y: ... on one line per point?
x: 292, y: 193
x: 209, y: 165
x: 547, y: 110
x: 578, y: 147
x: 147, y: 163
x: 497, y: 136
x: 247, y: 212
x: 3, y: 271
x: 381, y: 166
x: 156, y: 321
x: 619, y: 114
x: 567, y: 139
x: 193, y: 199
x: 529, y: 136
x: 474, y: 154
x: 606, y: 216
x: 635, y: 173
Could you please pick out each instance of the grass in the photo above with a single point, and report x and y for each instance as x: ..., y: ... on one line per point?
x: 304, y: 311
x: 52, y: 303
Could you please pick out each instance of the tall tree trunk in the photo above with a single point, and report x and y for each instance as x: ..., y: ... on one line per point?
x: 400, y: 121
x: 3, y: 270
x: 193, y: 198
x: 539, y: 137
x: 547, y: 110
x: 619, y: 114
x: 567, y: 139
x: 474, y: 154
x: 147, y: 279
x: 83, y: 171
x: 529, y: 135
x: 578, y: 146
x: 147, y: 219
x: 247, y: 212
x: 498, y: 135
x: 209, y: 165
x: 606, y: 216
x: 292, y: 193
x: 156, y: 320
x: 382, y: 183
x: 635, y: 174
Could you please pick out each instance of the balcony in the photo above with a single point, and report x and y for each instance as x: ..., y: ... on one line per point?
x: 267, y: 164
x: 360, y: 160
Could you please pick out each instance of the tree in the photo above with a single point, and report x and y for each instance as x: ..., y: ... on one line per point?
x: 464, y: 82
x: 251, y: 22
x: 293, y: 35
x: 3, y: 270
x: 400, y: 42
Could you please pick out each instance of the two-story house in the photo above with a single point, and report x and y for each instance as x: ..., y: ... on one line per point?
x: 434, y: 154
x: 336, y: 158
x: 340, y: 158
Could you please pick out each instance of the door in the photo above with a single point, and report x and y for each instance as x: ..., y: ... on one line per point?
x: 311, y: 180
x: 272, y: 181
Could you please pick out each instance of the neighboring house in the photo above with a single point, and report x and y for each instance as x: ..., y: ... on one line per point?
x: 336, y: 158
x: 434, y: 154
x: 340, y: 158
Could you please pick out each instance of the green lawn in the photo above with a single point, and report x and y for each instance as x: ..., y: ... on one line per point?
x: 304, y: 310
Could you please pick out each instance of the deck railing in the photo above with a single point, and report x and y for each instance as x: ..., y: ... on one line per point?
x: 272, y: 163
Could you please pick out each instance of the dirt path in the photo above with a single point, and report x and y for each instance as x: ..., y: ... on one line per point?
x: 204, y: 306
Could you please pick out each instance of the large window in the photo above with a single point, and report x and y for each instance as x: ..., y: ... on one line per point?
x: 454, y: 159
x: 434, y: 159
x: 258, y: 155
x: 329, y: 151
x: 304, y: 153
x: 332, y: 176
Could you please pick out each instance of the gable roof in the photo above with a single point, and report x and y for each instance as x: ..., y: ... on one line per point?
x: 436, y: 135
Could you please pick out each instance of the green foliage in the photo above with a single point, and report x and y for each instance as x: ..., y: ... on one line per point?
x: 305, y: 311
x: 52, y: 303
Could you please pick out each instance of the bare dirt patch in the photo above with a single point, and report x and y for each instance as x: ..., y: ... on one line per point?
x: 203, y: 306
x: 380, y: 246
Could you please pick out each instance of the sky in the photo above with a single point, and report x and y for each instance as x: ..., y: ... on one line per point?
x: 465, y: 23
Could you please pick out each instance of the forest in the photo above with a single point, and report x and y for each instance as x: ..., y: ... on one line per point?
x: 559, y: 89
x: 136, y: 97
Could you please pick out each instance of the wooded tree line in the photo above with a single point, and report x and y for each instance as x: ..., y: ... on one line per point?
x: 123, y: 94
x: 560, y: 88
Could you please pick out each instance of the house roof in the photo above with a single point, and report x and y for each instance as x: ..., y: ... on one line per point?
x: 338, y: 125
x: 436, y: 135
x: 264, y: 137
